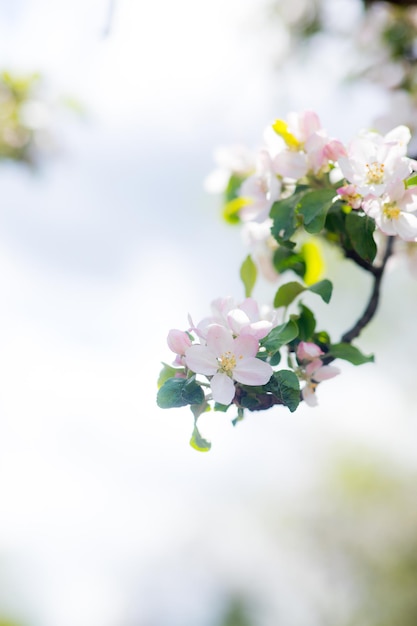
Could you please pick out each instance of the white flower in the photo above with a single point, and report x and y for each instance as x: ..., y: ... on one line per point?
x: 225, y: 359
x: 237, y: 159
x: 393, y: 212
x: 262, y: 189
x: 374, y: 163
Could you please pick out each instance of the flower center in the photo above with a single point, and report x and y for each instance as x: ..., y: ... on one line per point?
x: 391, y: 211
x: 227, y: 363
x: 375, y: 175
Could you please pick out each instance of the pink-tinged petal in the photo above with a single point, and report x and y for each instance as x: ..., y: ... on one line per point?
x: 221, y: 306
x: 222, y: 388
x: 326, y: 372
x: 309, y: 396
x: 237, y: 319
x: 334, y: 150
x: 307, y: 351
x: 245, y: 346
x: 259, y: 330
x: 309, y: 123
x: 178, y: 341
x: 201, y: 360
x: 313, y: 366
x: 408, y: 201
x: 219, y: 339
x: 291, y: 164
x: 250, y: 307
x: 252, y: 371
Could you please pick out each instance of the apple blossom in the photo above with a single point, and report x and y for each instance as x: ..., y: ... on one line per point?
x: 225, y: 359
x: 309, y: 149
x: 394, y: 212
x: 303, y: 189
x: 308, y: 351
x: 234, y: 160
x: 260, y: 190
x: 374, y: 162
x: 241, y: 319
x: 312, y: 370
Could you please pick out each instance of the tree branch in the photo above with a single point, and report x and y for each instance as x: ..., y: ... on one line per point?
x: 372, y: 306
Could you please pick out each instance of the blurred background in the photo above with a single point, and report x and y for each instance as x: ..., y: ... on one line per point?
x: 110, y: 112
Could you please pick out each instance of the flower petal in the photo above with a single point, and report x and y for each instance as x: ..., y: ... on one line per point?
x: 237, y: 319
x: 178, y: 341
x: 201, y: 360
x: 245, y: 346
x: 252, y: 371
x: 309, y: 395
x: 222, y: 388
x: 219, y: 339
x: 407, y: 226
x: 325, y: 372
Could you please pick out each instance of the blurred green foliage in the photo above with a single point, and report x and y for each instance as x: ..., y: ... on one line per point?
x: 366, y: 534
x: 17, y: 132
x: 236, y: 614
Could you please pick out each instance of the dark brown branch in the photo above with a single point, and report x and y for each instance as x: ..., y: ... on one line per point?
x: 267, y: 400
x: 372, y: 306
x: 354, y: 256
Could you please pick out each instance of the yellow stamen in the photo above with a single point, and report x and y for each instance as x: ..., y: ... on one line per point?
x: 376, y: 174
x: 227, y: 363
x: 391, y: 211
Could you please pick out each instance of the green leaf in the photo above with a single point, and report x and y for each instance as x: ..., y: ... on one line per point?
x: 166, y: 372
x: 198, y: 442
x: 349, y: 353
x: 199, y: 409
x: 285, y: 259
x: 275, y: 358
x: 233, y: 187
x: 360, y: 229
x: 284, y: 218
x: 221, y: 407
x: 249, y: 399
x: 287, y: 293
x: 306, y: 323
x: 279, y: 336
x: 285, y: 385
x: 248, y: 274
x: 239, y: 417
x: 323, y: 289
x: 176, y: 392
x: 322, y: 338
x: 313, y: 206
x: 412, y: 181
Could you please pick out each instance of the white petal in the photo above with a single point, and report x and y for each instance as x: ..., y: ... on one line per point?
x: 201, y: 360
x: 222, y: 388
x: 309, y: 396
x: 407, y: 226
x: 252, y: 371
x: 326, y: 372
x: 237, y: 319
x: 219, y: 339
x: 245, y: 346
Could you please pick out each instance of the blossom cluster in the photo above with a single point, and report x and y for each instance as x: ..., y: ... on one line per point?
x: 301, y: 190
x: 227, y: 348
x: 371, y: 175
x: 233, y: 357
